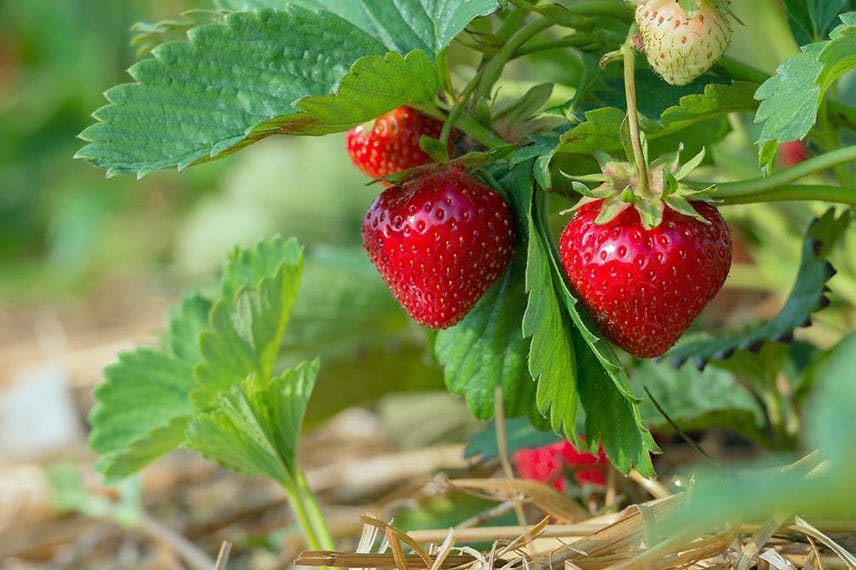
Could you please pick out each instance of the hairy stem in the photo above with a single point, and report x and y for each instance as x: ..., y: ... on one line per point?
x: 493, y: 69
x: 456, y: 111
x: 315, y: 516
x: 830, y: 138
x: 574, y: 40
x: 629, y: 53
x: 793, y: 192
x: 758, y: 187
x: 620, y: 10
x: 306, y: 510
x: 465, y: 123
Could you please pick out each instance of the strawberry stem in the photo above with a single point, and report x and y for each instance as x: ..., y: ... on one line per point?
x: 629, y: 53
x: 781, y: 186
x: 494, y: 67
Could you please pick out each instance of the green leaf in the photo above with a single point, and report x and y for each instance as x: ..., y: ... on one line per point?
x: 839, y: 55
x: 343, y: 308
x: 374, y: 86
x: 790, y: 99
x: 829, y: 426
x: 575, y: 366
x: 147, y: 36
x: 246, y: 268
x: 695, y: 116
x: 810, y: 19
x: 552, y: 354
x: 697, y: 400
x: 248, y: 323
x: 197, y: 100
x: 425, y: 25
x: 144, y: 403
x: 487, y: 348
x: 240, y: 5
x: 254, y: 427
x: 716, y: 101
x: 756, y: 495
x: 402, y: 25
x: 805, y: 298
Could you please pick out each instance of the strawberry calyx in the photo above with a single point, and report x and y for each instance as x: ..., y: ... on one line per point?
x: 620, y: 189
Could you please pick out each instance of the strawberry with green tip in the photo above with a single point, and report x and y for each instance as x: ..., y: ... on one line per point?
x: 682, y: 44
x: 392, y: 144
x: 439, y: 240
x: 645, y: 264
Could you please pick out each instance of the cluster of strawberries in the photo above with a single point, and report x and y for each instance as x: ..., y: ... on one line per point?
x: 442, y: 238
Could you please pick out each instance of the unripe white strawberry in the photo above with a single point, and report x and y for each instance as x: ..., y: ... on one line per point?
x: 680, y: 46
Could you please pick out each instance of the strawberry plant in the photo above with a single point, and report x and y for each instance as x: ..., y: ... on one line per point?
x: 478, y: 170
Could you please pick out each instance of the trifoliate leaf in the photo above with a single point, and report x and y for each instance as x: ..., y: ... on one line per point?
x: 247, y: 325
x: 143, y: 405
x: 487, y: 349
x: 806, y: 297
x: 254, y: 427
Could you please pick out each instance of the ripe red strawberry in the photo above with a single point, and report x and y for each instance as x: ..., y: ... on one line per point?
x: 392, y: 145
x: 644, y: 287
x: 439, y: 241
x: 680, y: 46
x: 792, y: 153
x: 549, y: 463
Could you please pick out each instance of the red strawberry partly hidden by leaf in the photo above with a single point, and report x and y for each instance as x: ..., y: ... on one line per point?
x: 792, y: 153
x: 549, y: 463
x: 439, y: 241
x: 392, y: 144
x: 644, y: 287
x: 679, y: 45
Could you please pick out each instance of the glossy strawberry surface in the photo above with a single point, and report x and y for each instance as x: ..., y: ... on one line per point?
x: 548, y: 464
x: 392, y: 144
x: 645, y: 287
x: 439, y: 241
x: 681, y: 46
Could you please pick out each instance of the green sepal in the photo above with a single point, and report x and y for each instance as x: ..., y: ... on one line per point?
x: 691, y: 165
x: 682, y: 206
x: 610, y: 210
x: 434, y: 148
x: 651, y: 213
